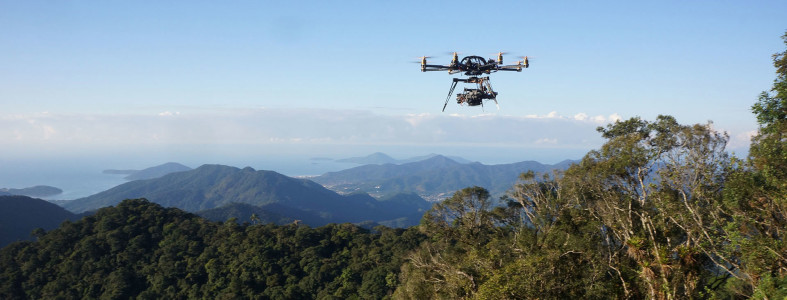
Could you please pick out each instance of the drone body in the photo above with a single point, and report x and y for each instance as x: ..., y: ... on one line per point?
x: 474, y: 66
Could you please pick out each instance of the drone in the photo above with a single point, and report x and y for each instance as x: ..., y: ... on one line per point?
x: 474, y: 66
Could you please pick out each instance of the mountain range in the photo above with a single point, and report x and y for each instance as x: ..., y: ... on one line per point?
x: 433, y: 179
x: 379, y: 158
x: 388, y: 194
x: 211, y: 187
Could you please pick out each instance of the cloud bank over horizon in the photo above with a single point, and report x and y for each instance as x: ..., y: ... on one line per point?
x: 273, y: 126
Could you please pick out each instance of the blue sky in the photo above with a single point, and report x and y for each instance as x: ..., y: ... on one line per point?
x: 83, y: 76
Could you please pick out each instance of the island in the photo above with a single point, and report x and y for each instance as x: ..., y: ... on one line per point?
x: 35, y: 191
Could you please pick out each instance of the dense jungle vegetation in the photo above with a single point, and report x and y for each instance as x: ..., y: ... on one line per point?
x: 660, y: 211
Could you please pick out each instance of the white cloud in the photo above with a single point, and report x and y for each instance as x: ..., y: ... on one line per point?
x: 741, y: 140
x: 581, y: 117
x: 550, y: 115
x: 546, y: 141
x: 415, y: 119
x: 270, y: 128
x: 48, y: 131
x: 298, y: 126
x: 168, y: 114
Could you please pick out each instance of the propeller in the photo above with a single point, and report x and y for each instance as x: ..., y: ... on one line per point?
x: 500, y: 57
x: 455, y: 56
x: 421, y: 58
x: 524, y: 61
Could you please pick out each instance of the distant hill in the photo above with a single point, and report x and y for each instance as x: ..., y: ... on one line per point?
x: 149, y: 173
x: 19, y: 215
x: 434, y: 178
x: 379, y: 158
x: 35, y: 191
x: 214, y: 186
x: 157, y: 171
x: 428, y: 156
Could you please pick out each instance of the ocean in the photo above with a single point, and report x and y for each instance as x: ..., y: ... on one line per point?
x: 84, y: 177
x: 79, y: 174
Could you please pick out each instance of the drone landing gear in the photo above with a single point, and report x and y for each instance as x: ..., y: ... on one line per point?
x: 473, y: 97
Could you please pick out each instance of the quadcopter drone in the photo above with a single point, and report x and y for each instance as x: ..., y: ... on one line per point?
x: 474, y: 66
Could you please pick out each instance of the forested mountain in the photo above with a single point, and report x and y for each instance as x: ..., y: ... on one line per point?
x: 247, y: 213
x: 20, y: 215
x: 428, y: 156
x: 214, y: 186
x: 157, y: 171
x: 433, y: 178
x: 142, y: 250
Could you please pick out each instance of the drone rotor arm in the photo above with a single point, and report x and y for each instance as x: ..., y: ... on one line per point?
x: 425, y: 68
x: 517, y: 68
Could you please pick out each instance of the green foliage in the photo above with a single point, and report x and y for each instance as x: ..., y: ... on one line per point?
x: 244, y: 213
x: 756, y: 196
x: 656, y: 189
x: 139, y: 249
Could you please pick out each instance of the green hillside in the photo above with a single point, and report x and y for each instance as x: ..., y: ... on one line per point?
x: 214, y: 186
x: 157, y: 171
x: 244, y: 213
x: 20, y: 215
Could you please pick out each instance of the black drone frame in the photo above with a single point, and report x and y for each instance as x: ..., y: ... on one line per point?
x: 474, y: 66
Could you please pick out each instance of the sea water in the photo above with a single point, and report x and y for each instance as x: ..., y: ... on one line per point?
x: 82, y: 177
x: 80, y: 174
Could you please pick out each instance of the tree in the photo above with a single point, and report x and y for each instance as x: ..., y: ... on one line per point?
x: 756, y: 195
x: 551, y: 247
x: 654, y: 188
x: 464, y: 217
x: 452, y: 263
